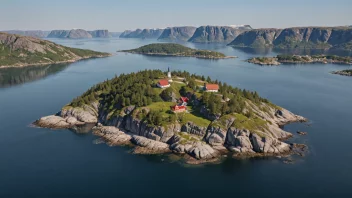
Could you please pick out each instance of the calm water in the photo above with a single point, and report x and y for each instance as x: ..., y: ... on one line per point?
x: 59, y: 163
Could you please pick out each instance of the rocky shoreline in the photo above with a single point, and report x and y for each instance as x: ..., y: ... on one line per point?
x: 195, y: 145
x: 297, y: 59
x: 343, y: 72
x: 266, y: 61
x: 54, y: 62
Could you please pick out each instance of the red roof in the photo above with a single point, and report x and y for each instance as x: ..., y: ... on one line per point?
x: 184, y: 99
x: 212, y: 86
x: 163, y: 82
x: 174, y: 108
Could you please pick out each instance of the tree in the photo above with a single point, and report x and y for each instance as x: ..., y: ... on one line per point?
x: 208, y: 79
x: 192, y: 84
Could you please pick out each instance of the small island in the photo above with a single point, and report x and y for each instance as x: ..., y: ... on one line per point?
x: 172, y: 49
x: 197, y: 118
x: 21, y: 51
x: 347, y: 72
x: 298, y: 59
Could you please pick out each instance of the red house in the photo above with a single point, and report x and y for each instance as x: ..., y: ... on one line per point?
x: 178, y: 109
x: 211, y: 87
x: 164, y: 83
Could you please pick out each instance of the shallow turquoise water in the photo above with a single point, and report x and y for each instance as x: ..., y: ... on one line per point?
x: 59, y: 163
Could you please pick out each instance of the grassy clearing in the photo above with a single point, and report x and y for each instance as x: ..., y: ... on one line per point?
x: 197, y: 120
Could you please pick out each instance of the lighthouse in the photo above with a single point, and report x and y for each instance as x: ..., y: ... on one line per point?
x: 169, y: 74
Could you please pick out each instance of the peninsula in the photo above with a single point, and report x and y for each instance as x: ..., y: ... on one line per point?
x: 298, y: 59
x: 195, y: 117
x: 172, y: 49
x: 347, y: 72
x: 20, y: 51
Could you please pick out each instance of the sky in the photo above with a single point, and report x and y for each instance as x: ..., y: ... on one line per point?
x: 120, y: 15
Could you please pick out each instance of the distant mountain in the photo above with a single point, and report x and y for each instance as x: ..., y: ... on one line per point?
x: 298, y: 37
x: 177, y: 33
x: 18, y: 51
x: 71, y: 34
x: 79, y: 34
x: 145, y: 33
x: 216, y: 34
x: 256, y: 38
x: 125, y: 33
x: 100, y: 33
x: 32, y: 33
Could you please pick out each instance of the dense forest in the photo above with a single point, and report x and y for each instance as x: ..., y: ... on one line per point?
x: 174, y: 50
x: 139, y: 89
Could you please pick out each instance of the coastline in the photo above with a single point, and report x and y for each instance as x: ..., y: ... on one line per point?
x: 343, y: 73
x: 137, y: 136
x: 56, y: 62
x: 278, y: 60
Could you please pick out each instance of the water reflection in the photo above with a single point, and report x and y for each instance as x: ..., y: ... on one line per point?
x: 16, y: 76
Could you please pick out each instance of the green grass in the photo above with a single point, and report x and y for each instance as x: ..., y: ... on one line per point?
x: 255, y: 124
x: 196, y: 119
x: 160, y: 106
x: 187, y: 138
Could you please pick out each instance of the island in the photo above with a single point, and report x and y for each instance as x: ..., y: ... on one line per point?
x: 194, y: 117
x: 300, y: 59
x: 20, y: 51
x: 172, y: 49
x: 347, y: 72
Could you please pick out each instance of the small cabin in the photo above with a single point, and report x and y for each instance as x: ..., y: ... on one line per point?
x: 211, y: 87
x: 178, y: 109
x: 164, y: 83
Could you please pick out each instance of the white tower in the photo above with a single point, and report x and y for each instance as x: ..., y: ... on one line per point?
x: 169, y: 74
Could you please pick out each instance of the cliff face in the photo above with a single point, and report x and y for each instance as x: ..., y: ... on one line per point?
x: 177, y: 33
x: 125, y: 33
x: 139, y: 33
x: 71, y: 34
x: 100, y: 33
x: 256, y: 38
x: 18, y: 50
x: 215, y: 34
x: 305, y: 37
x: 32, y: 33
x: 59, y: 34
x: 79, y: 33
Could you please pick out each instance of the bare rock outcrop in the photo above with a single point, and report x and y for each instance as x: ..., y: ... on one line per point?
x: 112, y: 135
x: 57, y: 122
x: 149, y: 146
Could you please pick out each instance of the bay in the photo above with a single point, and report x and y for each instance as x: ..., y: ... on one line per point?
x: 38, y: 162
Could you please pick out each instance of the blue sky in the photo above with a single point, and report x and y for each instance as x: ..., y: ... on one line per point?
x: 117, y: 15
